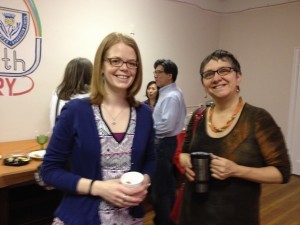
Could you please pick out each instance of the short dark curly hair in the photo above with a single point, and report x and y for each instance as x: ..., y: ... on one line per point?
x: 224, y: 56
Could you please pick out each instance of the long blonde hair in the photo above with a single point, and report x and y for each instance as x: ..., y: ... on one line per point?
x: 97, y: 85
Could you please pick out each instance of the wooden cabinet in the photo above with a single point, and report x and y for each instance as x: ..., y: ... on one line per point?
x: 29, y: 204
x: 22, y: 201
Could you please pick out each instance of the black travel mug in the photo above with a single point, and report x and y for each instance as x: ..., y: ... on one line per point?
x: 201, y: 166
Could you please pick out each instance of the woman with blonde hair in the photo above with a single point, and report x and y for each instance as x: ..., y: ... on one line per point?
x: 104, y: 136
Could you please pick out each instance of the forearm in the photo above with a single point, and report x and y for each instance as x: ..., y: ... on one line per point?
x: 269, y: 174
x: 84, y: 186
x: 95, y: 187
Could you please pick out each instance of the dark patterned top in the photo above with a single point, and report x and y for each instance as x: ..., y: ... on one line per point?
x: 255, y: 141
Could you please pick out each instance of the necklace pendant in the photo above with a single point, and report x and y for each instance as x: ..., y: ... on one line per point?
x: 114, y: 123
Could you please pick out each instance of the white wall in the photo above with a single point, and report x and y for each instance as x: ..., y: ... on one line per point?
x: 75, y: 28
x: 263, y: 41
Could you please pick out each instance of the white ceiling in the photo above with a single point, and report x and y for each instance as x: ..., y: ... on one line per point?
x: 232, y: 6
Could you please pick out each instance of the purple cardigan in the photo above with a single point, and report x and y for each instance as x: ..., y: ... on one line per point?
x: 75, y: 138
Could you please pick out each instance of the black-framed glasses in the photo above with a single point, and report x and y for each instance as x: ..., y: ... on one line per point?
x: 223, y: 71
x: 117, y: 62
x: 156, y: 72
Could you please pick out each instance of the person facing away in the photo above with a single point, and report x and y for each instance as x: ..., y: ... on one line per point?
x: 75, y: 84
x: 103, y: 136
x: 151, y: 94
x: 169, y: 114
x: 246, y: 146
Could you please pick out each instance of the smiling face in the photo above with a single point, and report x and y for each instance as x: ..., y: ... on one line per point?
x: 221, y: 86
x: 119, y: 77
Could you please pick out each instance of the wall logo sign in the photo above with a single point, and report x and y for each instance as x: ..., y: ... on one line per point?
x: 14, y: 28
x: 20, y: 48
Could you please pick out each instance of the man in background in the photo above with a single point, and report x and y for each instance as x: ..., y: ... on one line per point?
x: 169, y: 114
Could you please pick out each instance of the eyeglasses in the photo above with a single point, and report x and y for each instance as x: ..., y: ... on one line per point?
x: 156, y: 72
x: 223, y: 71
x: 117, y: 62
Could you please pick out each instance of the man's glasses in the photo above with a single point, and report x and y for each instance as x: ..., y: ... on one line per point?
x: 117, y: 62
x: 156, y: 72
x: 223, y: 71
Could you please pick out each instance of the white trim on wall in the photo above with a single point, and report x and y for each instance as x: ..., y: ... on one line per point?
x: 293, y: 134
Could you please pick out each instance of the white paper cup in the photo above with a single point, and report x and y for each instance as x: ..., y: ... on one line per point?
x: 132, y: 179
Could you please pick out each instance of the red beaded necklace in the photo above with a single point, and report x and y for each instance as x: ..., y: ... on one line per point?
x: 229, y: 122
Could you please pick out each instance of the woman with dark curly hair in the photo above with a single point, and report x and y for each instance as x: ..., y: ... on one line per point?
x: 246, y: 147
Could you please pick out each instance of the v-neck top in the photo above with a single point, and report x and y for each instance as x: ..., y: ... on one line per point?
x: 76, y: 139
x: 115, y: 161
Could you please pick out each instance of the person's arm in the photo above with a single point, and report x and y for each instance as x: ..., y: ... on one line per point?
x: 52, y: 109
x: 143, y: 152
x: 84, y: 186
x: 169, y: 116
x: 185, y: 162
x: 150, y: 156
x: 222, y: 168
x: 62, y: 147
x: 185, y: 157
x: 272, y: 145
x: 114, y: 191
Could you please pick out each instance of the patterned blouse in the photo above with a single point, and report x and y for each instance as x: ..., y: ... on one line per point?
x: 115, y: 161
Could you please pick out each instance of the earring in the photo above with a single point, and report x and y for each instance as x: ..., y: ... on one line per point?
x: 237, y: 88
x: 205, y: 96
